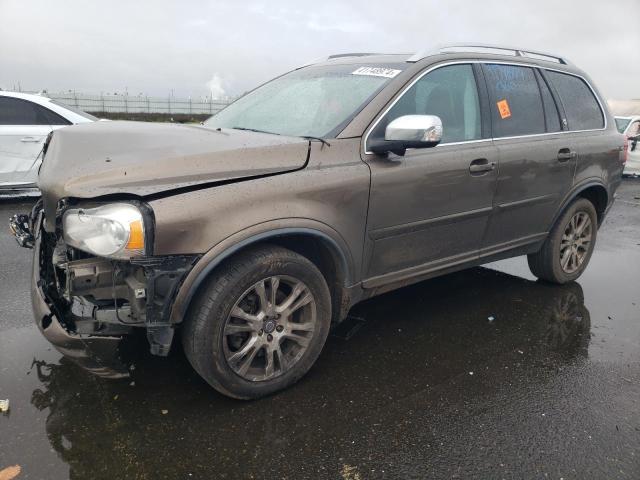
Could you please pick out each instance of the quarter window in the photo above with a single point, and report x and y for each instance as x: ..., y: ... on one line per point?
x: 580, y: 105
x: 448, y: 92
x: 516, y: 107
x: 50, y: 117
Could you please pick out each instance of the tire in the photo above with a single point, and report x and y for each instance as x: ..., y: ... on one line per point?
x: 548, y: 264
x: 244, y: 344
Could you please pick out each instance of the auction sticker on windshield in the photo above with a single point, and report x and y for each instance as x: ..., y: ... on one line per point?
x: 376, y: 72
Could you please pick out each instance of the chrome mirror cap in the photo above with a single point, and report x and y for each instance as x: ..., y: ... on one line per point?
x: 415, y: 128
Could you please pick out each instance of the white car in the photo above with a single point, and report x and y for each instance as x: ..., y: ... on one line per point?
x: 630, y: 127
x: 25, y: 122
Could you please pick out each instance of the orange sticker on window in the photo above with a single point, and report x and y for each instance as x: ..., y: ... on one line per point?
x: 503, y: 108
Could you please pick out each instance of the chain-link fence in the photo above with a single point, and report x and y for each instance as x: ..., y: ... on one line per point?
x: 141, y: 104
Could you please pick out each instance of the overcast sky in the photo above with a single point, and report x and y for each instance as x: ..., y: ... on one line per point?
x: 196, y: 47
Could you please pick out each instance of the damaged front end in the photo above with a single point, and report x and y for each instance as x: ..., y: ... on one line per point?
x: 87, y: 302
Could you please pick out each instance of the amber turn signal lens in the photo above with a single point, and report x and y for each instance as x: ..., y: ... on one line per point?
x: 136, y: 236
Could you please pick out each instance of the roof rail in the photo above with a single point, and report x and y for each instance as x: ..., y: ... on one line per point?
x: 487, y: 48
x: 337, y: 55
x: 355, y: 54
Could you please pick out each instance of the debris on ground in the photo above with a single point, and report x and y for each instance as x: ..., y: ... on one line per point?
x: 491, y: 318
x: 350, y: 472
x: 164, y: 412
x: 4, y: 406
x: 10, y: 473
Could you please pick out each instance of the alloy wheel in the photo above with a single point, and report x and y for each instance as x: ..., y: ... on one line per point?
x: 575, y: 243
x: 269, y: 328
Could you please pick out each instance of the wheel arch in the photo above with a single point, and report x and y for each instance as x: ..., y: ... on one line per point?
x: 328, y: 252
x: 593, y: 190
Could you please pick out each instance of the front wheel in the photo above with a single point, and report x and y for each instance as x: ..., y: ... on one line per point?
x: 567, y: 250
x: 259, y: 324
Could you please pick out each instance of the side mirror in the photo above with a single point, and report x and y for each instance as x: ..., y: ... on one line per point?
x: 408, y: 131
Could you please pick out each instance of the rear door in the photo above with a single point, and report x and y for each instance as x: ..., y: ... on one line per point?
x: 24, y: 126
x: 537, y: 160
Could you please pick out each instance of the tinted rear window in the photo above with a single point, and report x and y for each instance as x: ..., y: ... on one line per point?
x: 516, y: 106
x: 51, y: 117
x: 579, y: 102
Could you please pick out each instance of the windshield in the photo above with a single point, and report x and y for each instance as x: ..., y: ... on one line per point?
x: 622, y: 123
x: 314, y: 101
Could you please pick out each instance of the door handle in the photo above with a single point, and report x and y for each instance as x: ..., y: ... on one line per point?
x: 565, y: 154
x: 480, y: 166
x: 29, y: 139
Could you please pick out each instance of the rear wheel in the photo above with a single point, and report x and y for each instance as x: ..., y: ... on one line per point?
x: 259, y: 324
x: 567, y: 250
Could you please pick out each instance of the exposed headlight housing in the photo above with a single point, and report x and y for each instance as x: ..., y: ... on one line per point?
x: 115, y: 230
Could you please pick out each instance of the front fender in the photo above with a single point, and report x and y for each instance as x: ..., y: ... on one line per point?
x: 253, y: 235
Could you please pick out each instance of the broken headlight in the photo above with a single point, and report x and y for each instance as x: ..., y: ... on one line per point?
x: 115, y: 230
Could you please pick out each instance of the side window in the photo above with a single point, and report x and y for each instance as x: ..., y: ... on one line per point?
x: 551, y: 116
x: 580, y: 105
x: 15, y: 111
x: 448, y: 92
x: 516, y: 106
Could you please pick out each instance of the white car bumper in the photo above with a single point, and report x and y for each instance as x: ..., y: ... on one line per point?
x: 632, y: 167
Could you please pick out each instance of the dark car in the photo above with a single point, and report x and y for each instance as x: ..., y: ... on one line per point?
x: 335, y: 182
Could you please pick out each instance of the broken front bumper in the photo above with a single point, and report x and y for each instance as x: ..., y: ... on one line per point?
x: 86, y: 312
x: 95, y: 354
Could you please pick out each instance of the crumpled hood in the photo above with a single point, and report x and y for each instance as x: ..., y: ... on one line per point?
x: 101, y: 158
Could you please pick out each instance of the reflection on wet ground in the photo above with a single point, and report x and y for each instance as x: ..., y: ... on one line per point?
x: 477, y: 374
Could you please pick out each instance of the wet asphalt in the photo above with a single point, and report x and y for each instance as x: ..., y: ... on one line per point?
x: 482, y: 374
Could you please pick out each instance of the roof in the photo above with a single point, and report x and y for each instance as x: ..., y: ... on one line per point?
x: 40, y: 99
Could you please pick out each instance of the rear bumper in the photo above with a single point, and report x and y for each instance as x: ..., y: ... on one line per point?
x: 97, y: 354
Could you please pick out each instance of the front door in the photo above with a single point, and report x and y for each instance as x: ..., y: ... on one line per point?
x: 429, y: 208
